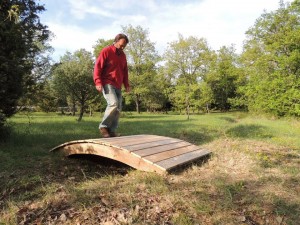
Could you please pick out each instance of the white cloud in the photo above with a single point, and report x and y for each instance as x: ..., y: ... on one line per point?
x: 219, y: 22
x: 70, y: 38
x: 130, y: 19
x: 80, y: 8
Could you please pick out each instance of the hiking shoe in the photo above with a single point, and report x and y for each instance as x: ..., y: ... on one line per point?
x: 104, y: 132
x: 114, y: 134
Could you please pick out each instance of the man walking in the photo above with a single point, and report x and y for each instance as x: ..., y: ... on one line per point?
x: 110, y: 73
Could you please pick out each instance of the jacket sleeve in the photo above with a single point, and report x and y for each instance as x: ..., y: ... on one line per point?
x: 99, y: 64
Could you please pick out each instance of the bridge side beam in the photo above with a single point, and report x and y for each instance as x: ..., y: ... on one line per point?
x: 114, y: 153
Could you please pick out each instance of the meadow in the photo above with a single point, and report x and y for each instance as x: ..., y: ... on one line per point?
x: 252, y: 176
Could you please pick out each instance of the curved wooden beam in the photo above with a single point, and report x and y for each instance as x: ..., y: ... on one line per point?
x: 150, y: 153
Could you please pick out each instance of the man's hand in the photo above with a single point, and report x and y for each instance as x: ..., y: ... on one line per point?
x: 99, y: 88
x: 128, y: 89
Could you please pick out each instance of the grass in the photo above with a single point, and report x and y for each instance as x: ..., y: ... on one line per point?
x: 252, y: 176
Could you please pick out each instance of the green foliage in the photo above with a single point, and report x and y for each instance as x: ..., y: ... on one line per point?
x: 271, y: 59
x: 142, y: 58
x: 72, y: 79
x: 47, y: 102
x: 39, y: 93
x: 187, y: 62
x: 100, y: 44
x: 223, y: 78
x: 206, y: 97
x: 19, y: 22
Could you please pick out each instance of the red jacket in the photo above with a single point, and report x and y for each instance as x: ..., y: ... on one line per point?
x: 111, y: 68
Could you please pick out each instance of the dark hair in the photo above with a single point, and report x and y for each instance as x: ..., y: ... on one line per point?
x: 121, y: 36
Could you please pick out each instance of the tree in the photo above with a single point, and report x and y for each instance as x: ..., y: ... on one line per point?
x: 73, y: 79
x: 223, y: 78
x: 271, y: 58
x: 100, y: 44
x: 22, y: 39
x: 187, y: 61
x: 46, y: 100
x: 38, y: 93
x: 204, y: 97
x: 142, y: 58
x: 158, y: 98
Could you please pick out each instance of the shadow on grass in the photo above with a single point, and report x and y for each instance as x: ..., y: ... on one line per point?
x: 106, y: 165
x: 146, y: 117
x: 199, y: 162
x: 249, y: 131
x: 228, y: 119
x: 171, y: 128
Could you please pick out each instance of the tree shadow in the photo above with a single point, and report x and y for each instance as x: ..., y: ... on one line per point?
x: 171, y: 128
x: 228, y: 119
x: 252, y: 131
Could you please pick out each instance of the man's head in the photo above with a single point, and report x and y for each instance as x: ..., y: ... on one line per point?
x: 121, y: 40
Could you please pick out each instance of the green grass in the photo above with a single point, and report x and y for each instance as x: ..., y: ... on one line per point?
x: 251, y: 177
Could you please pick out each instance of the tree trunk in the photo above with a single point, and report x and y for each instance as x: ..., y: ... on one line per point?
x: 137, y: 107
x: 91, y: 111
x: 73, y: 108
x: 188, y: 111
x: 81, y: 110
x: 137, y: 102
x: 187, y: 102
x: 80, y: 114
x: 207, y: 108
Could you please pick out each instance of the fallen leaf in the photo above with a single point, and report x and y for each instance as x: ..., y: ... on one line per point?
x: 63, y: 217
x: 104, y: 201
x: 279, y: 219
x: 137, y: 209
x: 108, y: 223
x: 241, y: 218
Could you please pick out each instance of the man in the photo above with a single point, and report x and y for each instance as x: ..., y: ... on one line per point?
x: 110, y: 73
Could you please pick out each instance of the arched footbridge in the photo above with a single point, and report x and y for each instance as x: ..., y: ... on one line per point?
x: 143, y: 152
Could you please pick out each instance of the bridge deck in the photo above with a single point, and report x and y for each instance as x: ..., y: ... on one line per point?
x: 143, y: 152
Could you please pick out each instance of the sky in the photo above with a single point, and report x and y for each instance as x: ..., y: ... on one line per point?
x: 79, y: 24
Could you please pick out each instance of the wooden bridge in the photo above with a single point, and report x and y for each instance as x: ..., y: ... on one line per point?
x: 143, y: 152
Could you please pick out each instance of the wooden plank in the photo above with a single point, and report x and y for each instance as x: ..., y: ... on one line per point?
x: 160, y: 148
x: 116, y: 140
x: 155, y: 143
x: 122, y: 138
x: 127, y: 137
x: 182, y: 159
x: 172, y: 153
x: 135, y: 141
